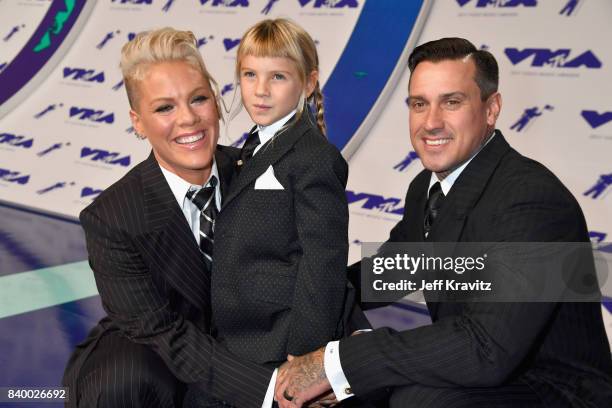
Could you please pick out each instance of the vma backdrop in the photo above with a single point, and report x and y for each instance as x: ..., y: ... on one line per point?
x: 65, y: 133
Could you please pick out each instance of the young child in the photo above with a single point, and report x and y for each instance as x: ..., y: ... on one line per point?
x: 279, y: 272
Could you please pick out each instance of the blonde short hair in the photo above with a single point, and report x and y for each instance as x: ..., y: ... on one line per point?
x: 285, y: 39
x: 160, y: 45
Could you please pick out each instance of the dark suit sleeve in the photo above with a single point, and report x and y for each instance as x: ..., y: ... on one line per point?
x: 486, y: 342
x: 321, y: 212
x: 137, y: 306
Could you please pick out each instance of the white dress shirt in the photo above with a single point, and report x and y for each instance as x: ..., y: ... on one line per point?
x: 180, y: 188
x: 267, y: 132
x: 333, y: 368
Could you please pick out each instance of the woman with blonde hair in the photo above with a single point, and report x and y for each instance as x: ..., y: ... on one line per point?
x: 149, y: 238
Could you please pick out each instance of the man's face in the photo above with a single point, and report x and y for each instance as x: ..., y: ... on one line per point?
x: 448, y: 120
x: 177, y: 112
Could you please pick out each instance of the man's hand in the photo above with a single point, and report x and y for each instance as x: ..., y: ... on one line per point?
x: 301, y: 379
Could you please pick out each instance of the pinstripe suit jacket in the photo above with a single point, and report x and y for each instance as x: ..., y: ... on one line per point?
x: 151, y: 278
x: 279, y: 271
x: 559, y: 350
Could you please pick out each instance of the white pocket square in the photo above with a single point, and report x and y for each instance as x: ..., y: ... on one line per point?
x: 268, y: 181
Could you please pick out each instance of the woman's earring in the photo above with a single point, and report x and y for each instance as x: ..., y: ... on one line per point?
x: 139, y: 136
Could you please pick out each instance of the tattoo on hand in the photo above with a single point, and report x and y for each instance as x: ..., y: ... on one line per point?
x: 307, y: 371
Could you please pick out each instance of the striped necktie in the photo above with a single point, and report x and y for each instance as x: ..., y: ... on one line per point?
x: 204, y: 199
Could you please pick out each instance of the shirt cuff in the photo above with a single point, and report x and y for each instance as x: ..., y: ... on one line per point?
x: 269, y: 399
x: 334, y: 373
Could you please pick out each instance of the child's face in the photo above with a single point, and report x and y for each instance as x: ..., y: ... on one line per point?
x: 270, y: 88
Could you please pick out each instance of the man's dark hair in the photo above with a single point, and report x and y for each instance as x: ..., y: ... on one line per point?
x: 454, y: 48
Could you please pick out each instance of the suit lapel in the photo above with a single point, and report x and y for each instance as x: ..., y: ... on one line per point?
x: 225, y: 158
x: 415, y: 206
x: 269, y: 154
x: 169, y: 240
x: 467, y: 190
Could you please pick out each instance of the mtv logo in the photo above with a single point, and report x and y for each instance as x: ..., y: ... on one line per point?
x: 597, y: 237
x: 100, y: 155
x: 500, y: 3
x: 15, y: 177
x: 560, y: 58
x: 90, y: 192
x: 226, y: 3
x: 230, y: 43
x: 596, y: 119
x: 93, y: 115
x: 16, y: 140
x: 88, y: 75
x: 227, y: 88
x: 330, y: 3
x: 375, y: 202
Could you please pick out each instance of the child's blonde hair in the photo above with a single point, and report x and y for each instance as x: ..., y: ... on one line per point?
x: 161, y: 45
x: 285, y: 39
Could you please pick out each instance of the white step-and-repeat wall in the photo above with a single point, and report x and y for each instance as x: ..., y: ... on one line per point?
x: 65, y: 133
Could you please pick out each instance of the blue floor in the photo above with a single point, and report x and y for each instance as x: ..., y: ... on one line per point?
x: 36, y: 344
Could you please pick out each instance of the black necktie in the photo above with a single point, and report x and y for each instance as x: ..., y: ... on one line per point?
x: 204, y: 199
x: 248, y: 149
x: 432, y: 208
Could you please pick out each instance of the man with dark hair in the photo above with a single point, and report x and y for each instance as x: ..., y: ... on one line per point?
x: 475, y: 188
x: 487, y: 71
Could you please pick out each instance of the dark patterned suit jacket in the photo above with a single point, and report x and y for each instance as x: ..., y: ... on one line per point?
x: 559, y: 349
x: 151, y: 278
x: 279, y: 271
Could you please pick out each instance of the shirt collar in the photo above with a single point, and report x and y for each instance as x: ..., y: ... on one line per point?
x: 449, y: 180
x: 180, y: 187
x: 267, y: 132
